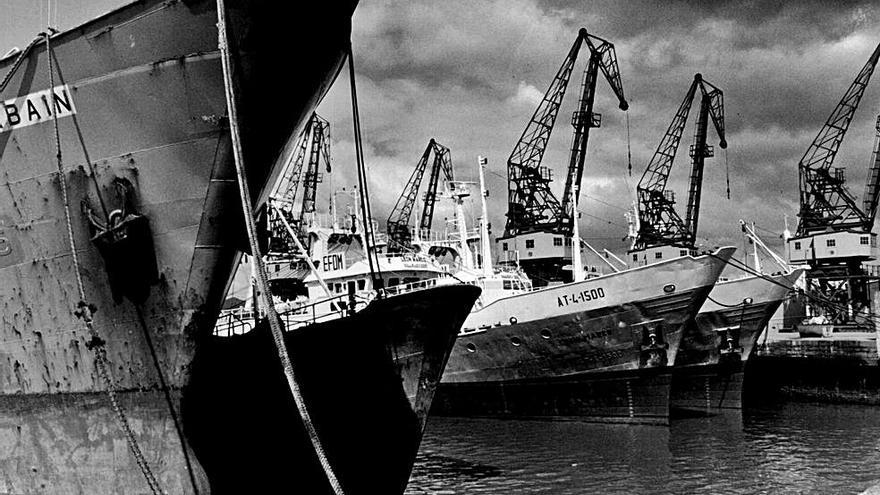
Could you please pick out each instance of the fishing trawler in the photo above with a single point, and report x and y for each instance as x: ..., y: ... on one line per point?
x: 598, y: 349
x: 389, y: 318
x: 116, y: 133
x: 718, y: 343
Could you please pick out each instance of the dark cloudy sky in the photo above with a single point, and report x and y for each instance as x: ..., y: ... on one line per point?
x: 470, y: 73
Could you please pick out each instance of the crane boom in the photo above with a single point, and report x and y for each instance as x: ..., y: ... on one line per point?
x: 872, y: 187
x: 711, y: 104
x: 659, y: 223
x: 397, y: 225
x: 824, y: 199
x: 319, y: 149
x: 602, y: 56
x: 530, y: 201
x: 531, y: 204
x: 287, y: 187
x: 313, y: 144
x: 442, y: 163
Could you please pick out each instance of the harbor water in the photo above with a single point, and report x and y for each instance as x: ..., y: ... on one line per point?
x: 780, y: 448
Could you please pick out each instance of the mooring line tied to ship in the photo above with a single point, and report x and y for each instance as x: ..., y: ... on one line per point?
x: 85, y: 310
x: 261, y: 276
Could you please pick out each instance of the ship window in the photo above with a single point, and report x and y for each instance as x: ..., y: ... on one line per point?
x: 337, y: 287
x: 863, y: 240
x: 504, y: 246
x: 830, y: 243
x: 568, y: 241
x: 508, y: 285
x: 393, y: 281
x: 557, y: 241
x: 797, y: 246
x: 873, y: 241
x: 530, y: 244
x: 683, y: 252
x: 635, y: 257
x: 278, y: 267
x: 362, y: 284
x: 693, y: 252
x: 658, y: 255
x: 351, y: 286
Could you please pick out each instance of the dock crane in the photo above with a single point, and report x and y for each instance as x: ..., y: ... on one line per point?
x: 313, y: 147
x: 536, y: 221
x: 660, y: 228
x: 834, y: 235
x: 397, y: 226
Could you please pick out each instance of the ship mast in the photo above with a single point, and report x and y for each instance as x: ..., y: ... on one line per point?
x: 484, y: 222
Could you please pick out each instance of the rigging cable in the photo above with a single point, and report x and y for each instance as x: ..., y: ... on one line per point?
x: 375, y: 271
x: 247, y: 208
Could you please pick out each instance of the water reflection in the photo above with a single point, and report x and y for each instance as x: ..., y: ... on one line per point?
x: 790, y: 448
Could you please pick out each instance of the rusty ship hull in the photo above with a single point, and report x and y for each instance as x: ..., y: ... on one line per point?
x: 598, y: 350
x: 718, y: 343
x: 140, y: 90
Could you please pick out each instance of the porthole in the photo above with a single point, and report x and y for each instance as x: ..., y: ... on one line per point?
x: 545, y: 333
x: 669, y: 288
x: 513, y: 320
x: 471, y: 347
x: 515, y: 341
x: 747, y: 301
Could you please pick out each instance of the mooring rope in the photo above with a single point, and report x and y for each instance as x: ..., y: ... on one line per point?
x: 82, y: 144
x: 85, y: 310
x: 21, y: 56
x: 272, y: 315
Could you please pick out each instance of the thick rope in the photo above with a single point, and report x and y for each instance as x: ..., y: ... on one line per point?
x: 85, y: 310
x: 263, y: 286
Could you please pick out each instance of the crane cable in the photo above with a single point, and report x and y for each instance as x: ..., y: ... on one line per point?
x: 727, y: 171
x: 629, y: 161
x: 274, y: 321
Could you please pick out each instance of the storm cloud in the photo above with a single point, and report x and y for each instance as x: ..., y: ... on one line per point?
x: 469, y: 74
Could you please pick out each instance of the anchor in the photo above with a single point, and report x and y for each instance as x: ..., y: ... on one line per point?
x: 126, y: 245
x: 654, y: 346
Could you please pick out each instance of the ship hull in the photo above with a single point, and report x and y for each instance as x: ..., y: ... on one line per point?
x: 141, y: 91
x: 368, y: 380
x: 552, y: 354
x: 716, y: 346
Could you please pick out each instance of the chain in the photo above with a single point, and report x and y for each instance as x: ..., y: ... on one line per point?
x: 84, y: 310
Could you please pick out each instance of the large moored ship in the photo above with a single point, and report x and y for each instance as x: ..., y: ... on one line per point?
x: 121, y: 137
